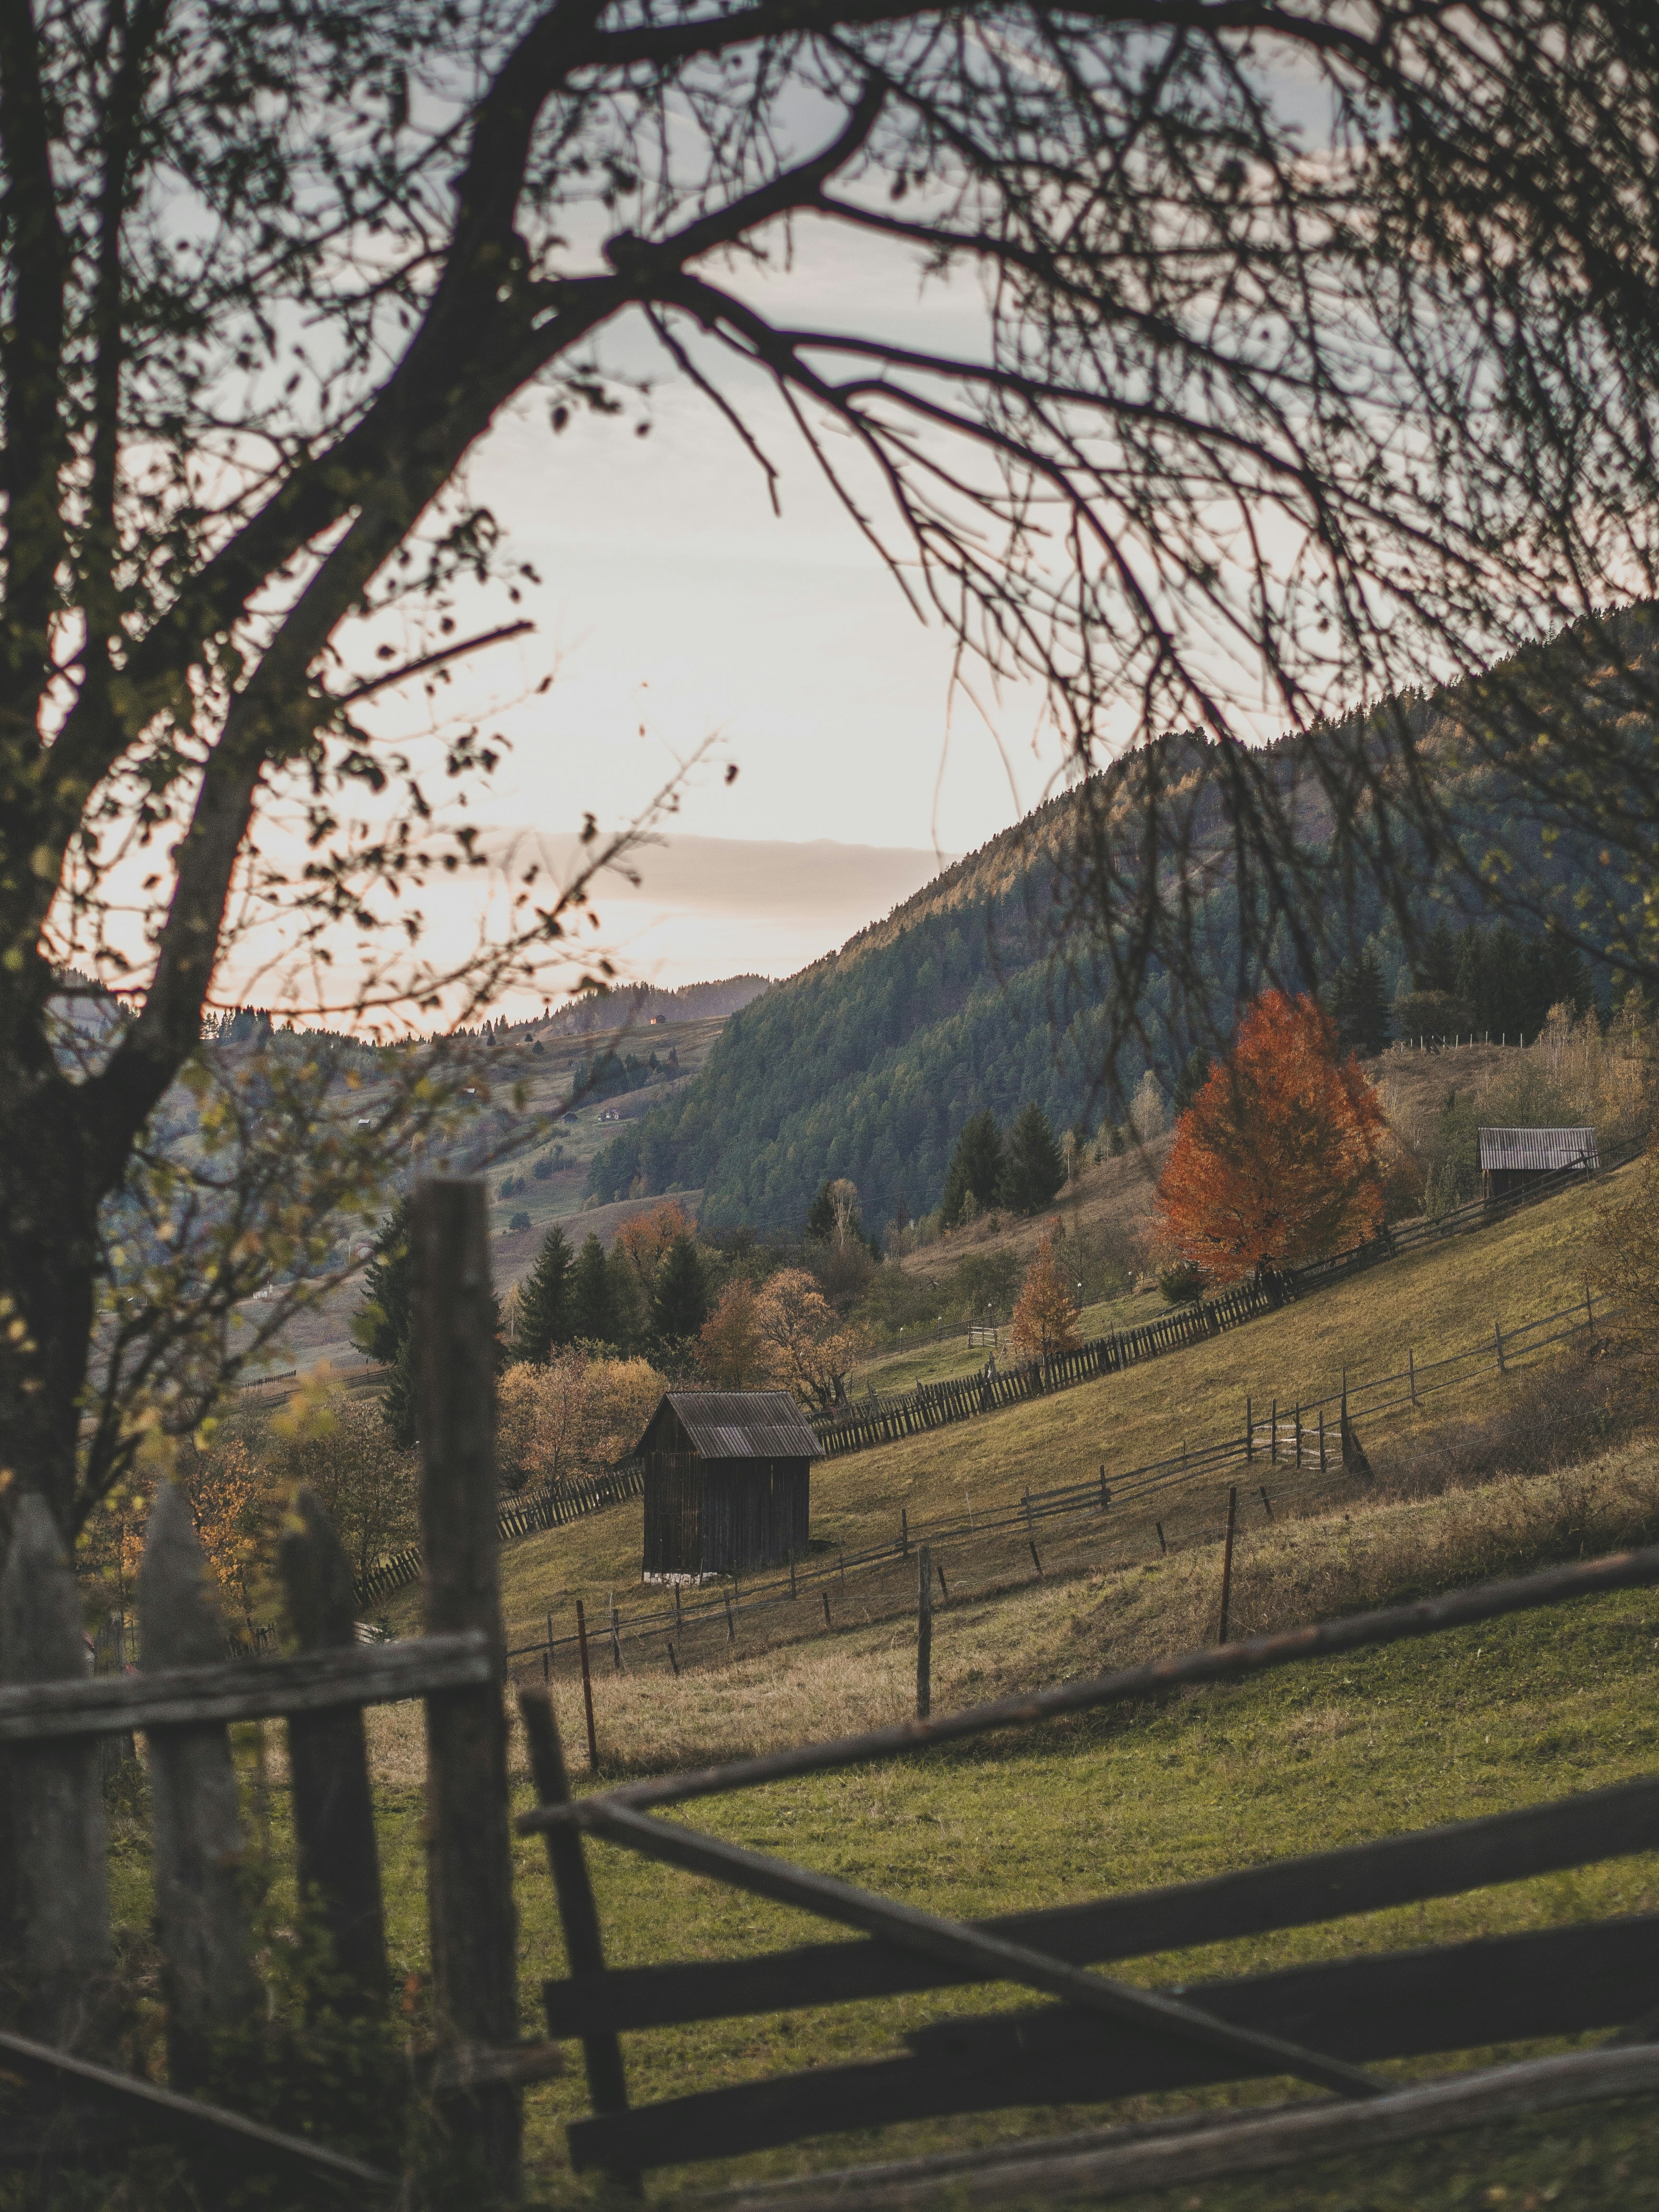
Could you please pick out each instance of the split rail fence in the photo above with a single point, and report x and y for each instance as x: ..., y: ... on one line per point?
x: 883, y: 1420
x: 1097, y: 2039
x: 1313, y: 1434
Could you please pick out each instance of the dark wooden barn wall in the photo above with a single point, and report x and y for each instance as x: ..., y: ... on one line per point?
x: 673, y: 1492
x: 723, y: 1516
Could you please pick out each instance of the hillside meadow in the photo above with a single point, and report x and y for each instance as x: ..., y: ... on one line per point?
x: 1471, y: 1722
x: 1441, y: 1299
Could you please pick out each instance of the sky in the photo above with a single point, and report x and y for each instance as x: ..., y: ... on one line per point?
x: 677, y: 610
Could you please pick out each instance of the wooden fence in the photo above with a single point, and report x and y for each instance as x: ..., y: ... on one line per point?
x: 1315, y: 1435
x: 1098, y: 2039
x: 56, y: 1945
x: 552, y: 1506
x: 883, y: 1420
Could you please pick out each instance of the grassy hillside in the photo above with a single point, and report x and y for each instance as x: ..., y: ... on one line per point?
x: 1465, y: 1725
x: 1440, y: 1299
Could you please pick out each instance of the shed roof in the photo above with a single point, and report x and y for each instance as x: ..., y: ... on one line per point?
x: 1538, y: 1149
x: 742, y: 1424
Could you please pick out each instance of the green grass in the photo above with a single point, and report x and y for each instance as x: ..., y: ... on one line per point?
x: 1317, y: 1756
x: 1440, y: 1299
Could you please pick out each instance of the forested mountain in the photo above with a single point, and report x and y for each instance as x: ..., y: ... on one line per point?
x: 868, y: 1063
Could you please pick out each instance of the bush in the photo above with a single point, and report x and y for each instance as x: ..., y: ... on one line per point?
x: 1182, y: 1284
x: 542, y: 1167
x: 519, y: 1220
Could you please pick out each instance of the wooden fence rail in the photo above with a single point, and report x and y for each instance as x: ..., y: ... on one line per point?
x: 1331, y: 2020
x: 56, y: 1946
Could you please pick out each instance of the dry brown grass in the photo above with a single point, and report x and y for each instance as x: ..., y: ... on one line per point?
x: 1370, y: 1551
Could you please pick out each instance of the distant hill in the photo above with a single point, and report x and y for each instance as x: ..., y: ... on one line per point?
x: 627, y: 1007
x: 867, y: 1063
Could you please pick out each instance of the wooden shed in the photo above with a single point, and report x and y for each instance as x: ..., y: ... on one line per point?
x: 1510, y: 1159
x: 727, y: 1482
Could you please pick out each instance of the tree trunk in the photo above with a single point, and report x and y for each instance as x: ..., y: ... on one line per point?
x: 49, y: 1200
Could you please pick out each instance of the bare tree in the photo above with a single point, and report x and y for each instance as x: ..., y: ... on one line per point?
x: 1259, y: 411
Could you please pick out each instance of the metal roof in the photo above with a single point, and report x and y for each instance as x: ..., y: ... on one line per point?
x: 1541, y: 1149
x: 741, y: 1424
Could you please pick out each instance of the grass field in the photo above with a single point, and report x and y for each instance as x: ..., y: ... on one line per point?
x: 1435, y: 1300
x: 1468, y: 1723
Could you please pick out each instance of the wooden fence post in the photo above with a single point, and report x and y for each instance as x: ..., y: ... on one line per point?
x: 1162, y: 1546
x: 1250, y: 1434
x: 474, y: 1929
x: 55, y: 1792
x: 1272, y: 1446
x: 196, y: 1837
x: 587, y: 1688
x: 607, y: 2081
x: 1227, y: 1565
x: 924, y: 1633
x: 328, y: 1761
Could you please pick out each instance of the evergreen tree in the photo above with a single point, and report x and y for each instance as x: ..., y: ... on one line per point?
x: 1194, y: 1074
x: 1370, y: 1006
x: 821, y: 1215
x: 543, y: 1301
x: 386, y: 1315
x: 593, y: 1300
x: 398, y: 1398
x: 1435, y: 967
x: 975, y: 1168
x: 1035, y: 1168
x: 679, y: 1305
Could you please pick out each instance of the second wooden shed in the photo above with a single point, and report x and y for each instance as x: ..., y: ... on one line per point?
x: 726, y: 1483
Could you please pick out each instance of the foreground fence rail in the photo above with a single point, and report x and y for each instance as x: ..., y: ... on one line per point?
x: 1329, y: 2022
x: 57, y: 1948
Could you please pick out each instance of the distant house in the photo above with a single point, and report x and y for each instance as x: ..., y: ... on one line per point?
x: 1511, y: 1159
x: 727, y: 1476
x: 610, y: 1114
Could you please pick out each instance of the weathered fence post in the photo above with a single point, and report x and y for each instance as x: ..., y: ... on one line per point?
x: 1227, y: 1565
x: 60, y: 1908
x: 196, y: 1839
x: 587, y: 1688
x: 469, y: 1881
x: 328, y: 1760
x: 607, y: 2082
x: 1162, y: 1545
x: 1250, y: 1434
x: 924, y: 1633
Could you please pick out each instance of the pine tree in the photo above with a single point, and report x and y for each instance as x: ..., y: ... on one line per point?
x: 592, y: 1303
x: 1435, y: 970
x: 680, y: 1305
x: 543, y: 1300
x: 821, y: 1215
x: 1035, y: 1168
x: 975, y: 1168
x: 386, y: 1315
x: 398, y: 1400
x: 1370, y: 1006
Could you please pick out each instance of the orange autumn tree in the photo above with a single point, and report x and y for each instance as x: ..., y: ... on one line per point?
x: 1277, y: 1161
x: 1045, y: 1320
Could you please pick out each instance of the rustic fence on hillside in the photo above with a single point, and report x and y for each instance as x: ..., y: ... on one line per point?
x: 883, y: 1420
x: 553, y: 1506
x: 1314, y: 1436
x: 57, y: 1959
x: 1098, y: 2039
